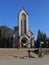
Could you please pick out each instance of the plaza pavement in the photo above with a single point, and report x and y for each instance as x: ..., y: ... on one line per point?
x: 20, y: 57
x: 27, y: 61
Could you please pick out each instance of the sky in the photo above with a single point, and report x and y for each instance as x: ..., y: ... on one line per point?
x: 38, y: 14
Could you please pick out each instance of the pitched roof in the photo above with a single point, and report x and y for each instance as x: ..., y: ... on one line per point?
x: 24, y: 10
x: 31, y: 32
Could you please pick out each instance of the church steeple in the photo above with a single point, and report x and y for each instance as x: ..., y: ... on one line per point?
x: 23, y: 22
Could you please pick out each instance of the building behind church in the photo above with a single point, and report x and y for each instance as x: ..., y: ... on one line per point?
x: 22, y: 34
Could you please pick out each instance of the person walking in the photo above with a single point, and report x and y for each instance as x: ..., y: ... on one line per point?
x: 29, y: 54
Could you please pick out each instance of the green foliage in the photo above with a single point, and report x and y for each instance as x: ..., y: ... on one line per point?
x: 6, y: 37
x: 41, y: 37
x: 0, y: 33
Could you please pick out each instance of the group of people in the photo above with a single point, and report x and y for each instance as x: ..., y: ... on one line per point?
x: 40, y: 53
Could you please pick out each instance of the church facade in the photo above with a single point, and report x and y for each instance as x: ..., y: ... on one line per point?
x: 22, y: 34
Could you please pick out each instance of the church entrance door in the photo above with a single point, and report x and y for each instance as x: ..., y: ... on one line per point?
x: 24, y: 42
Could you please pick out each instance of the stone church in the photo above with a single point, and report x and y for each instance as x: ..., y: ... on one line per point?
x: 22, y: 34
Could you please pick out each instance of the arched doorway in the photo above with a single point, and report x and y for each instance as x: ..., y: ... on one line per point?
x: 24, y: 42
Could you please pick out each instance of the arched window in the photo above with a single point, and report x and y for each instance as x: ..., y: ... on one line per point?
x: 23, y: 24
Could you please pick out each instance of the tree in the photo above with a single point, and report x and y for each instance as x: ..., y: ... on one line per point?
x: 44, y: 39
x: 5, y: 35
x: 41, y: 37
x: 0, y: 38
x: 0, y: 33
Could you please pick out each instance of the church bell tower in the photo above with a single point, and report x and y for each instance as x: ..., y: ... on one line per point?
x: 23, y: 23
